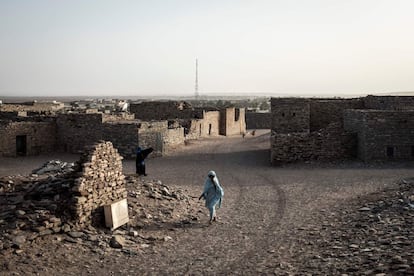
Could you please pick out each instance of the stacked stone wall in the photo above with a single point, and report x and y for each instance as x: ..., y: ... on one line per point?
x: 151, y: 134
x: 124, y: 137
x: 290, y: 115
x: 331, y: 143
x: 326, y: 111
x: 100, y: 182
x: 256, y: 120
x: 389, y: 102
x: 75, y: 131
x: 40, y: 137
x: 383, y: 135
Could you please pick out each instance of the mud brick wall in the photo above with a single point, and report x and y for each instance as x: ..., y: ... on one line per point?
x: 100, y: 182
x: 326, y: 111
x: 257, y: 120
x: 330, y: 144
x: 40, y: 137
x: 232, y: 121
x: 290, y: 115
x: 210, y: 125
x: 161, y: 110
x: 389, y: 102
x: 383, y: 135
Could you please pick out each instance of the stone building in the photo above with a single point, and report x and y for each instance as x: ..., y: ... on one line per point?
x: 370, y: 128
x: 198, y: 122
x: 31, y: 135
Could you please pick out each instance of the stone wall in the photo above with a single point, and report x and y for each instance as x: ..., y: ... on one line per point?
x: 34, y: 138
x: 290, y: 115
x: 151, y: 134
x: 173, y: 138
x: 331, y: 143
x: 119, y: 117
x: 382, y: 135
x: 124, y: 137
x: 256, y: 120
x: 326, y: 111
x: 76, y: 131
x: 39, y: 107
x: 161, y: 110
x: 100, y: 182
x: 210, y: 125
x: 389, y: 102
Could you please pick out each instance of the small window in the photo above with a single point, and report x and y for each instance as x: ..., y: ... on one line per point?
x: 390, y: 151
x: 293, y: 114
x: 283, y: 114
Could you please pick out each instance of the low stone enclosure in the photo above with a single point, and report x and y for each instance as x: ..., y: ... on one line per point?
x: 369, y: 128
x: 70, y: 201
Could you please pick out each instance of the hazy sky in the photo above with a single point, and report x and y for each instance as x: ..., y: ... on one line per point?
x: 97, y: 47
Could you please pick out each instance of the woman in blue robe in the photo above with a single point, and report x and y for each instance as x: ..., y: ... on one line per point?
x: 212, y: 194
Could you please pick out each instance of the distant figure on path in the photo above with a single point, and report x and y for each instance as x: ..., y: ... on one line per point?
x: 140, y: 161
x: 213, y: 194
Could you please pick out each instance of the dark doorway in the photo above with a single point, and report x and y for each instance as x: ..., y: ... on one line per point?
x: 21, y: 146
x: 209, y: 129
x: 390, y: 151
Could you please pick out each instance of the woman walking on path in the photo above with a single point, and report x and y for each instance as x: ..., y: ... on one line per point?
x: 213, y: 194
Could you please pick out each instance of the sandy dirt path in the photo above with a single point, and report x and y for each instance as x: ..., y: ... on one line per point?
x: 261, y: 206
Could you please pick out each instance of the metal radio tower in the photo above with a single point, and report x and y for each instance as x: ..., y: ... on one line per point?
x: 196, y: 81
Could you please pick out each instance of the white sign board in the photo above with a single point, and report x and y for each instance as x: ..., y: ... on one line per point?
x: 116, y: 214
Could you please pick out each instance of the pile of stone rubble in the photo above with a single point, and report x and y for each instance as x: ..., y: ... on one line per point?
x: 33, y: 207
x: 54, y: 167
x: 370, y: 237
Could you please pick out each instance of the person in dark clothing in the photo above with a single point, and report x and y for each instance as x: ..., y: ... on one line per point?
x: 140, y: 161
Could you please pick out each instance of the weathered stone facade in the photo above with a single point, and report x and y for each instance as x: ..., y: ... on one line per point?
x: 331, y: 143
x: 389, y: 102
x: 382, y: 134
x: 27, y: 138
x: 232, y: 121
x: 258, y: 120
x: 326, y: 111
x: 100, y: 182
x: 328, y: 129
x: 198, y: 122
x: 290, y: 115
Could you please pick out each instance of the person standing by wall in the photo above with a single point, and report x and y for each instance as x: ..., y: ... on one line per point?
x: 140, y: 160
x: 213, y: 194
